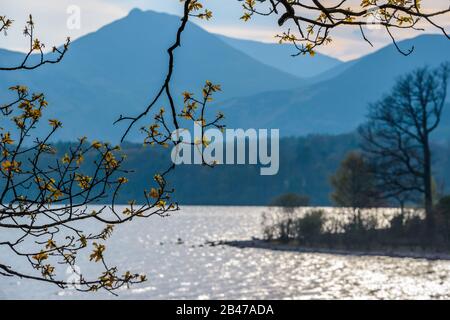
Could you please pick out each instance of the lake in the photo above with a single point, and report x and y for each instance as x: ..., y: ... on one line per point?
x: 171, y: 252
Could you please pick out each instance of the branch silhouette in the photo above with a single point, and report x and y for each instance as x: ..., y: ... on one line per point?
x: 313, y: 22
x: 35, y: 47
x: 47, y: 218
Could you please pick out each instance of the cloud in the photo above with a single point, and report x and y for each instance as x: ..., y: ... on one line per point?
x: 51, y: 18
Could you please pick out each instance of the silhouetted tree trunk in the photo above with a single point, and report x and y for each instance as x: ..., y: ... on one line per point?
x: 427, y: 184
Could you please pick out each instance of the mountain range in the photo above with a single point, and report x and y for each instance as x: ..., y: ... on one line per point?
x: 118, y: 69
x: 338, y: 105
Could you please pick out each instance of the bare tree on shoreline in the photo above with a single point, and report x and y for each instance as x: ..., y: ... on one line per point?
x: 397, y: 136
x: 355, y: 186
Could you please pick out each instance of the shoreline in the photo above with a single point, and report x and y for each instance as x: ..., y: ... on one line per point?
x: 391, y: 253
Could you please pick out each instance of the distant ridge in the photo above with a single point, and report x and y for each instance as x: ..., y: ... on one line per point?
x: 280, y: 57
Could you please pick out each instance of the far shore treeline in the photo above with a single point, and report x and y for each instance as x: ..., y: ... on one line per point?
x: 306, y: 165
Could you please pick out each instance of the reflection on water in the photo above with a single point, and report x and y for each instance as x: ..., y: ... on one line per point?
x: 171, y: 252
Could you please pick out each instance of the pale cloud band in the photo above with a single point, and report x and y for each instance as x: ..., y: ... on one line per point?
x: 51, y: 17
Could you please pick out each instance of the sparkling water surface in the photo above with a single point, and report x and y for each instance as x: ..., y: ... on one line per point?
x: 172, y: 253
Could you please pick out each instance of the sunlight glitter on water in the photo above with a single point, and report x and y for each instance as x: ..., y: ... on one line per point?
x: 192, y: 270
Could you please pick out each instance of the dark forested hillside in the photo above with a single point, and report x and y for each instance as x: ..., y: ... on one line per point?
x: 305, y: 167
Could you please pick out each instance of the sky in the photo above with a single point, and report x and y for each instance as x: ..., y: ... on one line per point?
x: 54, y: 22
